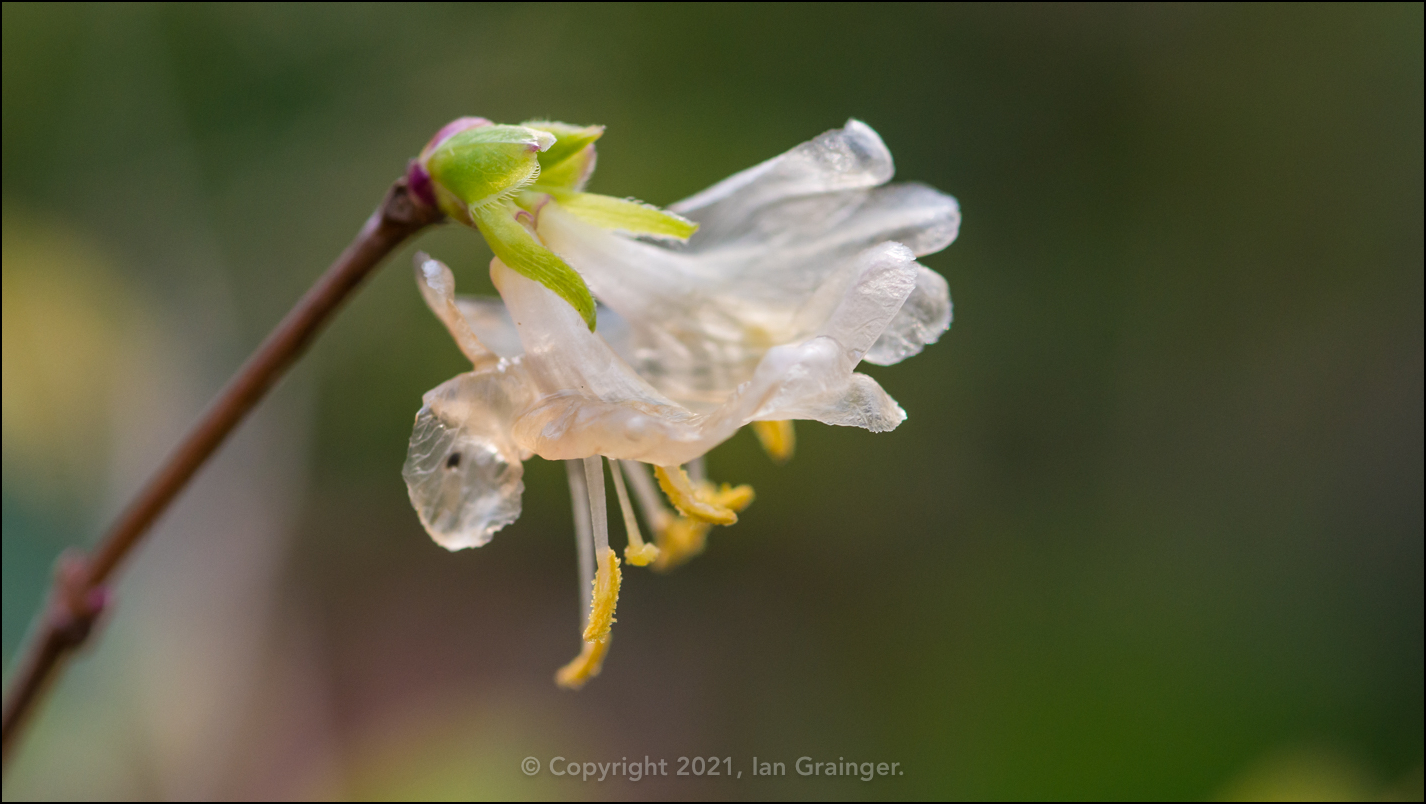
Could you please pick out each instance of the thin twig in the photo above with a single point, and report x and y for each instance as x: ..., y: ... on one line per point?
x: 78, y: 595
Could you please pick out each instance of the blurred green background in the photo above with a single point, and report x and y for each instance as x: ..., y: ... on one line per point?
x: 1153, y: 529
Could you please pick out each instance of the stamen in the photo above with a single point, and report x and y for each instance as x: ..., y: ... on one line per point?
x: 603, y: 588
x: 598, y: 513
x: 697, y: 472
x: 777, y: 438
x: 583, y: 538
x: 679, y: 538
x: 584, y: 666
x: 683, y: 539
x: 729, y: 496
x: 606, y: 597
x: 675, y: 483
x: 637, y: 552
x: 655, y: 512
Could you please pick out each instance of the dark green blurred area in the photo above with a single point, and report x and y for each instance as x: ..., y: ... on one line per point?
x: 1156, y: 516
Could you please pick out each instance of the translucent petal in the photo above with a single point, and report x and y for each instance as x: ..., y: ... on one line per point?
x: 437, y: 285
x: 589, y: 401
x: 886, y: 277
x: 818, y: 383
x: 700, y: 322
x: 925, y: 315
x: 463, y: 470
x: 777, y: 248
x: 842, y: 159
x: 491, y: 323
x: 810, y: 227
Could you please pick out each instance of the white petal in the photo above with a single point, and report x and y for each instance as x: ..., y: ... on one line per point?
x: 841, y: 159
x: 489, y: 319
x: 819, y: 189
x: 590, y: 402
x: 438, y: 288
x: 819, y: 384
x: 925, y: 315
x: 809, y: 229
x: 701, y: 316
x: 886, y: 276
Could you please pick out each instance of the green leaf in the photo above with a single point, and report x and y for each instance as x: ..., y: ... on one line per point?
x: 569, y: 140
x: 518, y: 249
x: 571, y: 173
x: 626, y: 215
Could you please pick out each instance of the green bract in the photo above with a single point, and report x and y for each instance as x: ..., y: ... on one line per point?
x: 624, y: 215
x: 517, y: 248
x: 570, y: 160
x: 497, y: 178
x: 483, y: 164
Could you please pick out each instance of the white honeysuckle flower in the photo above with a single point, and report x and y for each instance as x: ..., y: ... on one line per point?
x: 801, y: 268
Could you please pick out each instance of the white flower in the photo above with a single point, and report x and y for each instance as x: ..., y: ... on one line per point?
x: 801, y: 268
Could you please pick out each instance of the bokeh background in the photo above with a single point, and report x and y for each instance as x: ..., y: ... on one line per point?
x: 1153, y: 529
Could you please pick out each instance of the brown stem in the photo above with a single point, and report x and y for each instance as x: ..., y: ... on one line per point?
x: 78, y: 596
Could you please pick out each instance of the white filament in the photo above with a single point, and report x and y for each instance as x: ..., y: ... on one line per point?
x: 631, y: 524
x: 583, y: 540
x: 649, y: 501
x: 594, y: 478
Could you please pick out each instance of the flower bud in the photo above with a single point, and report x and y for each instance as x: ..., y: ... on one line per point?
x: 472, y: 163
x: 473, y: 169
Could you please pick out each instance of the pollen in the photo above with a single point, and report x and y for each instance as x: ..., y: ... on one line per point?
x: 642, y: 555
x: 778, y: 439
x: 681, y: 538
x: 729, y: 496
x: 584, y: 666
x: 596, y: 635
x: 606, y: 596
x: 703, y: 503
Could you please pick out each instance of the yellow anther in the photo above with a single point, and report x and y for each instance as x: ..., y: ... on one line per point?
x: 606, y: 596
x: 642, y: 555
x: 729, y: 496
x: 694, y: 505
x: 596, y: 635
x: 778, y: 439
x: 584, y: 666
x: 679, y: 540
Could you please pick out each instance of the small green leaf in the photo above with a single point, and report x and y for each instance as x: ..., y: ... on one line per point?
x: 569, y: 140
x: 626, y: 215
x: 572, y: 173
x: 517, y: 249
